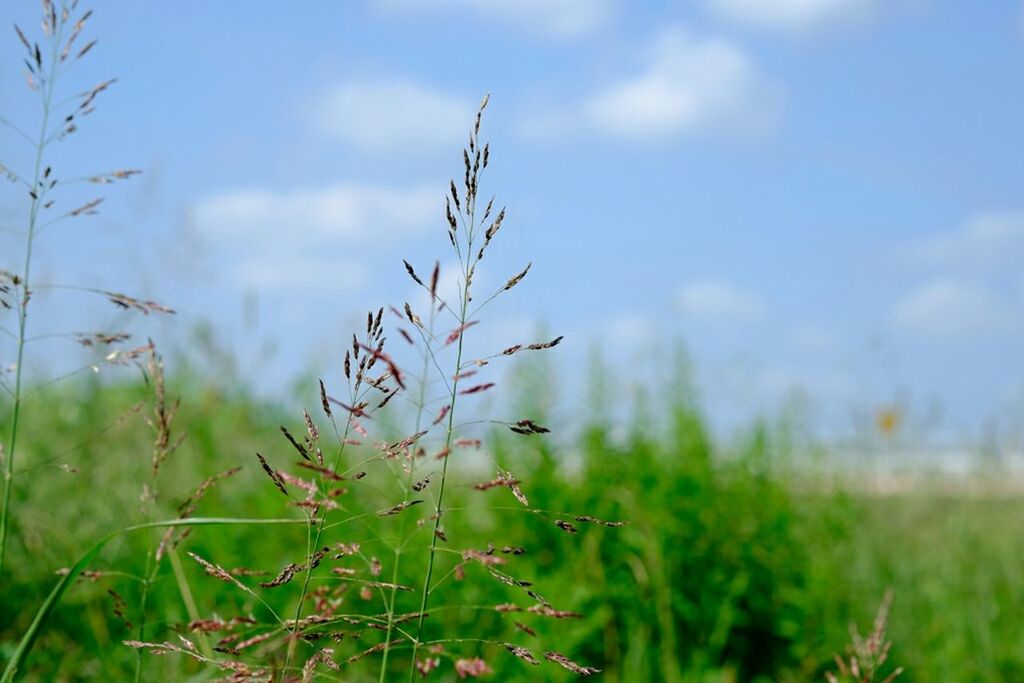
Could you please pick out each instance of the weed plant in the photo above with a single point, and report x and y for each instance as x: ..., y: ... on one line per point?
x: 49, y: 64
x: 358, y: 589
x: 363, y: 588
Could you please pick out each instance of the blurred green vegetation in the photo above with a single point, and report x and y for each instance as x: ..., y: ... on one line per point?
x: 740, y: 563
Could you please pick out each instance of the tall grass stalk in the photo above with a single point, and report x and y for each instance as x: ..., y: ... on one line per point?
x: 165, y: 443
x: 37, y: 194
x: 421, y: 407
x: 467, y: 268
x: 315, y: 526
x: 46, y: 67
x: 373, y: 379
x: 866, y: 656
x: 70, y: 576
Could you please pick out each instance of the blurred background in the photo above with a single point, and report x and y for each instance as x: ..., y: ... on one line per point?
x: 784, y: 242
x: 821, y: 198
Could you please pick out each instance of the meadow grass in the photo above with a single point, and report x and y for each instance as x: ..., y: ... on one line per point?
x: 732, y: 560
x: 142, y: 528
x: 48, y: 193
x: 284, y: 642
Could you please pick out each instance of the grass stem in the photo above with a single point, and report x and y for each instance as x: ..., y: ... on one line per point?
x: 36, y: 195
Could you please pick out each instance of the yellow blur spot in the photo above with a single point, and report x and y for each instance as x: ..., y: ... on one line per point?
x: 888, y: 421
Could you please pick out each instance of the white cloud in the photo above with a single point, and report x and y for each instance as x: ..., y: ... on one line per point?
x: 299, y: 238
x: 298, y: 272
x: 394, y: 114
x: 553, y: 18
x: 688, y: 83
x: 629, y: 331
x: 955, y: 308
x: 793, y: 15
x: 719, y: 299
x: 345, y: 212
x: 987, y: 242
x: 813, y: 338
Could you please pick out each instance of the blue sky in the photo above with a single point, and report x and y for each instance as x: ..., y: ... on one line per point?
x: 820, y: 197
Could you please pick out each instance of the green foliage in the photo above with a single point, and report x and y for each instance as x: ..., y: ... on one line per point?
x: 735, y: 565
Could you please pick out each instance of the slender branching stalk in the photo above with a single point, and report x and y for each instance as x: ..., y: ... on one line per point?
x: 421, y: 409
x: 316, y: 524
x: 47, y: 67
x: 42, y: 615
x: 165, y: 443
x: 37, y: 193
x: 280, y: 650
x: 464, y: 294
x: 866, y: 656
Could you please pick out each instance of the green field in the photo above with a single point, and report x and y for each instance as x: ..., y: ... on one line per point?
x: 739, y: 563
x: 175, y: 524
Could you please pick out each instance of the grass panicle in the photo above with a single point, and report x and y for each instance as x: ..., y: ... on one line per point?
x: 418, y: 534
x: 49, y: 63
x: 368, y: 478
x: 866, y: 656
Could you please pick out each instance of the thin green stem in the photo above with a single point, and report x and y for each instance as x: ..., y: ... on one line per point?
x: 424, y: 382
x: 310, y: 544
x: 42, y: 615
x: 186, y: 597
x: 147, y: 582
x: 36, y: 196
x: 22, y: 134
x: 450, y: 431
x: 320, y: 527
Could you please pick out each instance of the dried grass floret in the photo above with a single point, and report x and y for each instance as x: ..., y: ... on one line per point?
x: 522, y: 653
x: 290, y: 570
x: 866, y: 656
x: 272, y: 473
x: 528, y: 427
x: 572, y: 666
x: 568, y: 527
x: 601, y: 522
x: 395, y: 509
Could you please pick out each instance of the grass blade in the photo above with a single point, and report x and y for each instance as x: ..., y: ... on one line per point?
x: 46, y: 609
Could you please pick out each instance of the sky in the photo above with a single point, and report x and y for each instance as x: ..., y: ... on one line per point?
x: 822, y: 199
